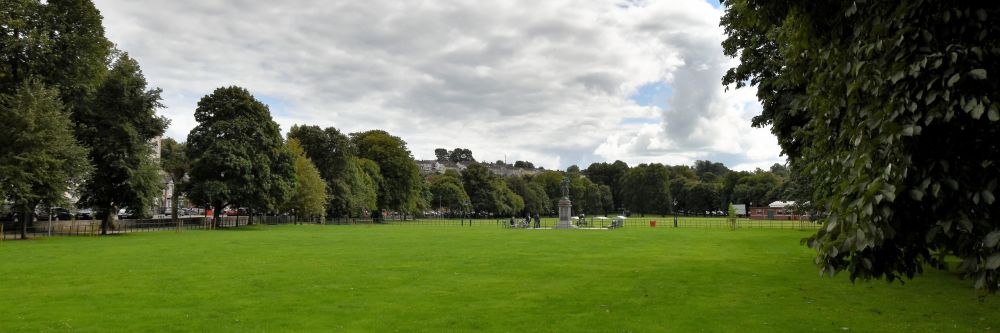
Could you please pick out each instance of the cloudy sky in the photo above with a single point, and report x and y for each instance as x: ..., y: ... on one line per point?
x: 552, y: 82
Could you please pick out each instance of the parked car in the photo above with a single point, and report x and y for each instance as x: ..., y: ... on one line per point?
x: 58, y: 213
x: 85, y: 214
x: 125, y: 214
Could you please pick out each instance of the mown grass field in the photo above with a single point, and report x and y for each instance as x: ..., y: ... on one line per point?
x: 441, y: 279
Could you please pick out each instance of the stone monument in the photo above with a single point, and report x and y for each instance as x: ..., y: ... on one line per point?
x: 565, y: 207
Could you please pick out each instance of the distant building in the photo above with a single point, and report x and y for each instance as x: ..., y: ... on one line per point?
x: 432, y: 167
x: 508, y: 170
x: 778, y: 210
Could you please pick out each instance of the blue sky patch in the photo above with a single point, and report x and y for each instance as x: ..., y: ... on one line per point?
x: 640, y: 120
x: 653, y: 94
x: 276, y: 105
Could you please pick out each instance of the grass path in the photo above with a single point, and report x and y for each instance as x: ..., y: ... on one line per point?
x: 439, y: 279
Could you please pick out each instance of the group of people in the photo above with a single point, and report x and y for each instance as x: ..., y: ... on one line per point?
x: 526, y: 223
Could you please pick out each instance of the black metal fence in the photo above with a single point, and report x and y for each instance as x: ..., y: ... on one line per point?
x: 590, y: 222
x: 12, y: 230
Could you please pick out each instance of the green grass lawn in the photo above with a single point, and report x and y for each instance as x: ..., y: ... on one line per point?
x: 440, y: 279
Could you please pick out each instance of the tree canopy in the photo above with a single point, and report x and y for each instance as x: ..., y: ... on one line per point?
x: 118, y: 126
x: 892, y: 106
x: 334, y: 155
x: 448, y: 192
x: 40, y: 160
x: 401, y: 185
x: 237, y: 154
x: 309, y: 195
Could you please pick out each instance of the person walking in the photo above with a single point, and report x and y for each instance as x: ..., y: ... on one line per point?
x: 538, y: 221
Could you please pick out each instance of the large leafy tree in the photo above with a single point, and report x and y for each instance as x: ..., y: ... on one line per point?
x: 532, y: 193
x: 448, y: 192
x: 333, y: 153
x: 174, y: 161
x: 758, y: 188
x: 364, y: 186
x: 237, y: 154
x: 551, y: 182
x: 488, y: 192
x: 60, y: 42
x: 892, y: 107
x: 647, y: 189
x: 40, y: 160
x: 609, y: 174
x: 118, y: 127
x: 461, y: 155
x: 400, y: 188
x: 309, y: 196
x: 441, y: 154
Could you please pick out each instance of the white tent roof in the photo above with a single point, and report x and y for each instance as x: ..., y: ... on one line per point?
x: 781, y: 204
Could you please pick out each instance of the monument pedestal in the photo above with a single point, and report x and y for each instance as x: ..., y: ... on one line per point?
x: 565, y: 209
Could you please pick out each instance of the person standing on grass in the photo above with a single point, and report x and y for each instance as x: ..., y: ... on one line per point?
x: 538, y: 221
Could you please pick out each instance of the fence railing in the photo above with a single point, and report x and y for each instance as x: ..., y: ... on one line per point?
x: 12, y: 230
x: 590, y: 222
x: 93, y: 227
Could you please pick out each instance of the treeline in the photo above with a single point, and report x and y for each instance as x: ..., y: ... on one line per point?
x: 80, y: 118
x: 605, y: 188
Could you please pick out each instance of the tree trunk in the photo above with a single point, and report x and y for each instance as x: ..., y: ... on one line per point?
x: 173, y: 202
x: 25, y: 218
x: 250, y: 219
x: 218, y: 215
x: 108, y: 220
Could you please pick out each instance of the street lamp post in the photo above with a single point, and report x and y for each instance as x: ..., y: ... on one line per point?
x: 675, y: 213
x: 465, y: 209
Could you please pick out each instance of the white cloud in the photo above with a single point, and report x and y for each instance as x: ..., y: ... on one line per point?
x: 548, y: 82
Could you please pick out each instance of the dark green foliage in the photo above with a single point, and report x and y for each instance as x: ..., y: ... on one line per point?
x: 60, y: 43
x: 758, y: 188
x: 488, y: 192
x: 441, y: 154
x: 701, y: 197
x: 448, y: 192
x: 609, y: 174
x: 118, y: 127
x: 647, y: 190
x: 400, y: 188
x: 40, y: 160
x: 333, y: 153
x: 237, y: 154
x: 524, y: 165
x: 533, y: 194
x: 461, y: 155
x: 549, y: 181
x: 703, y: 168
x: 892, y: 107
